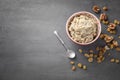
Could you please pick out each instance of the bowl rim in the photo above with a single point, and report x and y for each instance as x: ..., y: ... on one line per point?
x: 82, y: 12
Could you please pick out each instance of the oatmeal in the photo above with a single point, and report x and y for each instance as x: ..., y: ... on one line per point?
x: 83, y: 28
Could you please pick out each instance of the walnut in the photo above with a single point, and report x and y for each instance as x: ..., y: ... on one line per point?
x: 108, y: 29
x: 90, y: 60
x: 91, y: 51
x: 108, y: 38
x: 79, y: 65
x: 119, y: 36
x: 84, y: 67
x: 111, y: 46
x: 103, y: 58
x: 102, y: 36
x: 86, y: 55
x: 73, y: 68
x: 112, y: 60
x: 72, y: 62
x: 105, y: 8
x: 112, y: 26
x: 80, y: 50
x: 103, y: 17
x: 91, y: 55
x: 106, y: 47
x: 105, y: 22
x: 118, y: 49
x: 112, y: 31
x: 96, y: 9
x: 99, y: 60
x: 117, y: 61
x: 115, y: 43
x: 116, y: 22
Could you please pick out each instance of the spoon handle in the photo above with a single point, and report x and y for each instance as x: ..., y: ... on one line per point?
x: 60, y: 39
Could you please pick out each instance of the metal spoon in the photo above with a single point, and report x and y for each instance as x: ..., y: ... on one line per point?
x: 70, y: 53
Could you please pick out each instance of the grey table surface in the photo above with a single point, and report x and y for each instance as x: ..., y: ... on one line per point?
x: 30, y: 51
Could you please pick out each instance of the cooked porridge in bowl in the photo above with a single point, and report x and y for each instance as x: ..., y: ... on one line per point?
x: 83, y: 28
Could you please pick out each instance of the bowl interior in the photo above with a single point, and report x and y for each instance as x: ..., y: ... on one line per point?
x: 87, y: 14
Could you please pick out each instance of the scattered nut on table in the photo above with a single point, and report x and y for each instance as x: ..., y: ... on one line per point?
x: 111, y: 46
x: 107, y: 48
x: 112, y: 26
x: 119, y: 36
x: 115, y: 43
x: 73, y: 68
x: 72, y: 62
x: 117, y: 61
x: 86, y: 55
x: 103, y: 17
x: 80, y: 50
x: 96, y: 9
x: 84, y: 67
x: 112, y: 60
x: 80, y: 65
x: 105, y: 22
x: 91, y: 55
x: 108, y: 38
x: 105, y: 8
x: 91, y: 51
x: 117, y: 48
x: 102, y: 36
x: 116, y: 22
x: 112, y: 31
x: 90, y: 60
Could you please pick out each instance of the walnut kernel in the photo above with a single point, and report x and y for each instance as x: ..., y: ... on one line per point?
x: 96, y: 9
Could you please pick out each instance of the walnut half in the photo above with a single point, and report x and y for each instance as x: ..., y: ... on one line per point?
x: 96, y: 9
x: 103, y: 17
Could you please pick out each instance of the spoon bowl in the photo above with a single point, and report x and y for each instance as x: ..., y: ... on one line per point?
x: 70, y: 53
